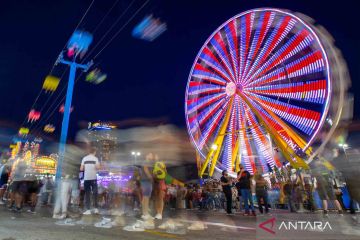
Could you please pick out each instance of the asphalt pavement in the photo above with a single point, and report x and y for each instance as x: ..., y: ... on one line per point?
x: 217, y: 225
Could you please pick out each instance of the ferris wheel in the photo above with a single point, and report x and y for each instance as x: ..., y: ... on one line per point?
x: 260, y: 82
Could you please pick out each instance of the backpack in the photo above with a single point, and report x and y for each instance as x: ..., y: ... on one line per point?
x: 159, y: 170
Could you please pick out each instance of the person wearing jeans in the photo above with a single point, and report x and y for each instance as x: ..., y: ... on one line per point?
x: 244, y: 187
x: 90, y: 186
x: 90, y: 165
x: 247, y: 197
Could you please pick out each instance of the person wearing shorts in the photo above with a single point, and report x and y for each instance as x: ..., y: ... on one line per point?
x: 33, y: 187
x: 325, y: 188
x: 19, y: 185
x: 159, y: 187
x: 146, y: 183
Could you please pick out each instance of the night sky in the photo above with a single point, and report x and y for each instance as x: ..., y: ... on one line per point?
x: 145, y: 79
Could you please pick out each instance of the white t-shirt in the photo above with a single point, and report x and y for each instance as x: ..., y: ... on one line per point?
x: 89, y: 163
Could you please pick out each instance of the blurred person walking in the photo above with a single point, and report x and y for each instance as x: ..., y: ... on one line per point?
x: 33, y: 186
x: 4, y: 178
x: 63, y: 198
x: 146, y: 179
x: 308, y: 183
x: 90, y: 165
x: 18, y: 185
x: 47, y: 190
x: 261, y: 189
x: 347, y: 165
x: 325, y: 188
x: 226, y: 184
x: 159, y: 173
x: 244, y: 179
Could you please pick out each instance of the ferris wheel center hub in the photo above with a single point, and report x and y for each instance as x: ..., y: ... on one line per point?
x: 230, y: 89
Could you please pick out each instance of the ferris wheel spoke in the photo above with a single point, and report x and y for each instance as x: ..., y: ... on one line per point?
x: 281, y: 30
x: 232, y: 40
x: 218, y: 45
x: 211, y: 76
x: 198, y: 119
x: 201, y: 88
x: 230, y: 137
x: 246, y: 152
x: 245, y: 41
x: 294, y: 45
x: 294, y: 136
x: 312, y: 92
x: 277, y: 131
x: 220, y: 137
x: 262, y: 141
x: 261, y: 30
x: 214, y: 65
x: 212, y: 123
x: 203, y: 102
x: 307, y: 65
x: 303, y: 119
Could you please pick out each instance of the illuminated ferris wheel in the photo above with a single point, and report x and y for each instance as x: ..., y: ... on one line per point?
x: 261, y: 80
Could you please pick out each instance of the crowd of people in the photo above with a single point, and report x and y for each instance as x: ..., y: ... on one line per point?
x: 290, y: 189
x: 148, y: 194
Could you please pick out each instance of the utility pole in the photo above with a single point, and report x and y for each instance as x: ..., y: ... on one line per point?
x: 67, y: 109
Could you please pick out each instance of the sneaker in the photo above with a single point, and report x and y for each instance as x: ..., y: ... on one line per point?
x: 96, y: 211
x: 149, y: 224
x: 104, y: 223
x: 87, y: 212
x: 340, y: 212
x: 146, y: 217
x: 31, y: 211
x: 158, y: 216
x: 56, y: 216
x: 66, y: 222
x: 246, y: 214
x: 2, y: 202
x: 137, y: 227
x: 63, y: 216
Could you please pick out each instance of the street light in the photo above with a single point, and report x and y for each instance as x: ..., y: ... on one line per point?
x: 135, y: 154
x: 343, y: 145
x: 214, y: 147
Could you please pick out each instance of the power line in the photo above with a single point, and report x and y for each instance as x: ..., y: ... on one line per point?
x: 102, y: 20
x: 115, y: 35
x: 53, y: 66
x: 109, y: 30
x: 38, y: 128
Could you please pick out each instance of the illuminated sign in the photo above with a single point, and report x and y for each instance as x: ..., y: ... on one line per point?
x: 45, y: 162
x: 100, y: 126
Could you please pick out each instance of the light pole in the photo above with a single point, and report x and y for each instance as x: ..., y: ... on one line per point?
x: 135, y: 154
x: 67, y: 108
